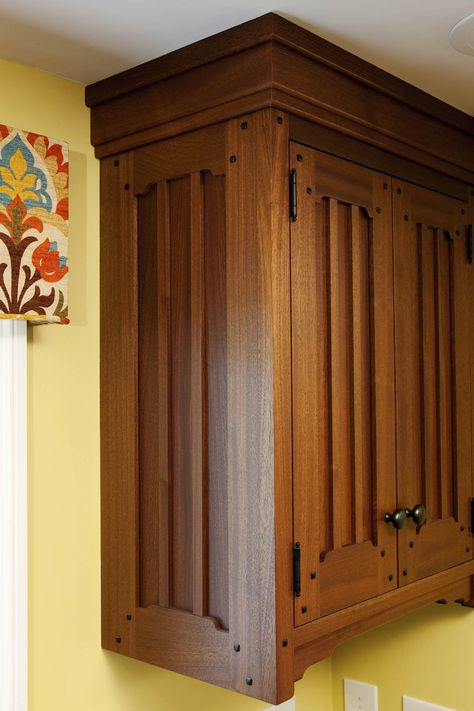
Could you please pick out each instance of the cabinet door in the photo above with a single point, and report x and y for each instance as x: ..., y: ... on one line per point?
x: 432, y: 361
x: 343, y: 383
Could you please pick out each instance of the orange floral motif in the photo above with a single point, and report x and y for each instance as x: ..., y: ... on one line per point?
x: 34, y: 187
x: 17, y: 221
x: 47, y: 261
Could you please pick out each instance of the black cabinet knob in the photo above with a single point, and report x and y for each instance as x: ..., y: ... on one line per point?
x: 417, y: 514
x: 398, y: 518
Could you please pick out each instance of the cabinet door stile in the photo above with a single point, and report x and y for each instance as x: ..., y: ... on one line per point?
x: 311, y: 500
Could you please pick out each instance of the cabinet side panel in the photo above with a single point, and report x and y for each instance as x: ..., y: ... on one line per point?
x: 182, y: 395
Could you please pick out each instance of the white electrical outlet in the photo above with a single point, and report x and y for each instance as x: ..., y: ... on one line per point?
x: 410, y: 704
x: 359, y: 696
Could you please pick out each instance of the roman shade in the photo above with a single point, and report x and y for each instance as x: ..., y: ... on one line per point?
x: 34, y: 211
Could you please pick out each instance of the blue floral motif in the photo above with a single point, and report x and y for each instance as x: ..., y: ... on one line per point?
x: 20, y: 176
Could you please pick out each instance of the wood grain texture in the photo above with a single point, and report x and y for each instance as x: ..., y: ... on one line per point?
x: 351, y: 148
x: 283, y: 481
x: 118, y: 382
x: 317, y: 640
x: 247, y: 367
x: 286, y: 33
x: 301, y: 71
x: 187, y: 94
x: 343, y: 392
x: 252, y: 248
x: 216, y: 348
x: 200, y: 650
x: 163, y: 381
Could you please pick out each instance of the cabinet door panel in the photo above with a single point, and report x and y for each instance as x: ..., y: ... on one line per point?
x: 432, y: 333
x: 343, y: 391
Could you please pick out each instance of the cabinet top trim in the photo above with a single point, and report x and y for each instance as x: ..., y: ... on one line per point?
x: 273, y: 28
x: 271, y: 62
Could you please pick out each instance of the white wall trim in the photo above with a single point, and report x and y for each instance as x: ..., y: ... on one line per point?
x: 13, y: 518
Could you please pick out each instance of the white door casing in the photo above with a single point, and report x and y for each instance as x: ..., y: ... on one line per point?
x: 13, y: 518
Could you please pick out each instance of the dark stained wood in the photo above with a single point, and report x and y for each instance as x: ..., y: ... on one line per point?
x: 343, y: 392
x: 188, y: 94
x: 181, y: 60
x: 216, y: 346
x: 265, y: 382
x: 291, y: 70
x: 162, y: 402
x: 208, y: 116
x: 262, y: 29
x: 118, y: 385
x: 349, y: 108
x: 180, y: 156
x: 317, y: 640
x: 198, y: 406
x: 149, y: 391
x: 337, y: 144
x: 182, y: 453
x: 281, y: 326
x: 432, y: 337
x: 200, y: 650
x: 250, y: 410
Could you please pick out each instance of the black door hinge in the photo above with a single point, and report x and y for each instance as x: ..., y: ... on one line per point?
x: 297, y: 569
x: 469, y: 243
x: 293, y: 196
x: 472, y: 517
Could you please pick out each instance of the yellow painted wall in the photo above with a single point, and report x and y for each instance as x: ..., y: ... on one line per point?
x: 428, y: 654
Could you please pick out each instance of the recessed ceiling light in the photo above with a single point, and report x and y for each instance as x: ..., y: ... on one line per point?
x: 462, y: 35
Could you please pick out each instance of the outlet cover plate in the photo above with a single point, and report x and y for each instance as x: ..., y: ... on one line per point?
x: 410, y: 704
x: 359, y: 696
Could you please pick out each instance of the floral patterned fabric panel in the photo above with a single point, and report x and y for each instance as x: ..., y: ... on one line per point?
x: 34, y: 212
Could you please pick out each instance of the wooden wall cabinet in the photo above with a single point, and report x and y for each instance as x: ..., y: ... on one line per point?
x: 287, y: 354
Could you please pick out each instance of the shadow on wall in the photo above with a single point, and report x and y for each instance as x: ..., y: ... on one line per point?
x: 143, y: 686
x: 78, y: 252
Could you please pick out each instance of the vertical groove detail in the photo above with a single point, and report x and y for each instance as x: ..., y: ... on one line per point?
x: 444, y: 374
x: 198, y: 419
x: 163, y: 404
x: 361, y: 377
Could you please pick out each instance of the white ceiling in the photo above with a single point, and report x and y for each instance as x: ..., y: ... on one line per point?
x: 87, y: 40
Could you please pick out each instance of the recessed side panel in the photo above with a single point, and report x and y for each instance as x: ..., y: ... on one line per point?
x: 343, y: 395
x: 433, y: 337
x: 182, y: 395
x: 165, y: 561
